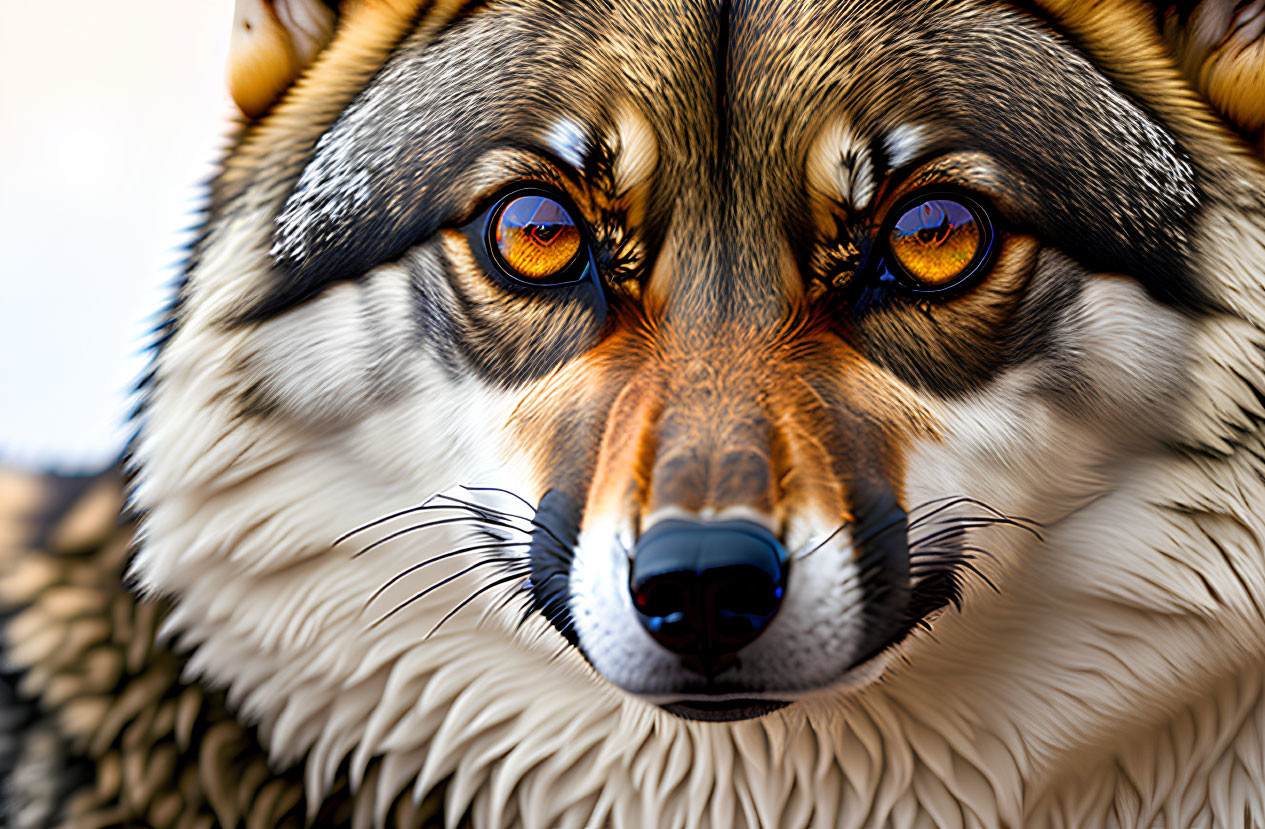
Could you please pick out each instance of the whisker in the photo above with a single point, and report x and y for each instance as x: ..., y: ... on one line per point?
x: 943, y: 555
x: 433, y: 559
x: 426, y: 525
x: 872, y: 532
x: 966, y: 565
x: 955, y: 531
x: 448, y: 580
x: 502, y: 490
x: 824, y: 541
x: 482, y: 519
x: 523, y: 588
x: 956, y: 552
x: 944, y: 503
x: 481, y: 512
x: 1018, y: 519
x: 468, y: 599
x: 953, y: 567
x: 524, y: 591
x: 375, y: 522
x: 951, y: 501
x: 509, y: 596
x: 533, y: 521
x: 960, y: 527
x: 939, y: 500
x: 924, y: 519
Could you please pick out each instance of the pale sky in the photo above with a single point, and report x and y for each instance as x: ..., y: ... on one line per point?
x: 112, y: 113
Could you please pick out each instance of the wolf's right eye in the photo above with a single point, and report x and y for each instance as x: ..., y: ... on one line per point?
x: 533, y: 238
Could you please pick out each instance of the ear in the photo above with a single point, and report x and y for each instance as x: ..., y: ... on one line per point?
x: 1220, y: 48
x: 272, y: 42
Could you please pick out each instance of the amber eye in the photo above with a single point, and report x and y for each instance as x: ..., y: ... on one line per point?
x: 534, y: 238
x: 939, y: 242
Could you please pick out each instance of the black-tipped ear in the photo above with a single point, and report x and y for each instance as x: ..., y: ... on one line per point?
x: 272, y: 42
x: 1220, y: 47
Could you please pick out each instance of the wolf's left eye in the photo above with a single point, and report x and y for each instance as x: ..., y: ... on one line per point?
x: 532, y: 237
x: 938, y: 242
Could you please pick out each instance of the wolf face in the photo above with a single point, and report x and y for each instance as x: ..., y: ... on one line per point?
x: 746, y: 338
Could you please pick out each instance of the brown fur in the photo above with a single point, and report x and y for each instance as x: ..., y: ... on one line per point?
x: 721, y: 375
x: 136, y: 743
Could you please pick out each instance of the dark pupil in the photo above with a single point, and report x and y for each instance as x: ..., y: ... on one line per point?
x: 544, y: 234
x: 935, y: 235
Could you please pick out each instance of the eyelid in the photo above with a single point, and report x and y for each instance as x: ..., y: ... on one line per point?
x: 489, y: 197
x: 501, y: 169
x: 976, y: 174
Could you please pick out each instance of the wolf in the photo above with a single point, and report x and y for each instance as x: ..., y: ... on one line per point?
x: 683, y: 413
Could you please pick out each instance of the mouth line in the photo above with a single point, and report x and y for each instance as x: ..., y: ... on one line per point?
x: 726, y: 708
x: 859, y: 673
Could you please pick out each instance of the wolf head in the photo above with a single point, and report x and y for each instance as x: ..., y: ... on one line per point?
x: 544, y: 367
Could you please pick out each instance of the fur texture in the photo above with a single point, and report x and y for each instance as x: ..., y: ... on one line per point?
x: 1084, y: 421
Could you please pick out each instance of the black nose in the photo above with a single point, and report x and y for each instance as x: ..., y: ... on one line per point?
x: 707, y: 589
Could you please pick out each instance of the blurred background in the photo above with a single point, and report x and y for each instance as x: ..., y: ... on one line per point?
x: 113, y: 115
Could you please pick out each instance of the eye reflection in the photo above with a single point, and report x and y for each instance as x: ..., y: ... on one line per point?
x: 536, y: 238
x: 935, y: 241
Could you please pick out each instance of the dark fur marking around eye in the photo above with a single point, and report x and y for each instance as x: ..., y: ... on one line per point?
x: 1052, y: 294
x: 386, y: 175
x: 1116, y: 192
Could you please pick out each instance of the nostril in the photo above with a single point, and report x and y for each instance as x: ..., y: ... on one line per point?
x: 745, y: 599
x: 707, y: 589
x: 662, y: 601
x: 661, y: 597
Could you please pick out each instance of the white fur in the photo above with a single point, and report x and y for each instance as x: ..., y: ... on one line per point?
x: 839, y: 166
x: 1115, y: 680
x: 904, y: 143
x: 813, y: 638
x: 569, y: 139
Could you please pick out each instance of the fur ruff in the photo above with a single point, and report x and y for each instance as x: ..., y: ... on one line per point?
x: 1116, y: 681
